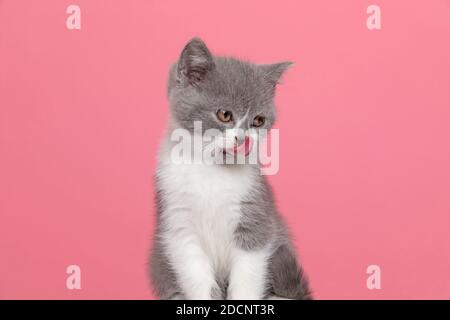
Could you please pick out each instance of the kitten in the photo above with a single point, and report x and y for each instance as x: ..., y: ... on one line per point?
x: 218, y: 234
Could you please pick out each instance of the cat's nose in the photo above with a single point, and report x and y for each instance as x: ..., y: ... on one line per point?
x: 238, y: 141
x: 245, y: 146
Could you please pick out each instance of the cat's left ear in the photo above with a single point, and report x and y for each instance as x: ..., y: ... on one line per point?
x: 272, y: 73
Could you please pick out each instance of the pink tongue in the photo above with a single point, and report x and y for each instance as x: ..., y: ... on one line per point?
x: 245, y: 146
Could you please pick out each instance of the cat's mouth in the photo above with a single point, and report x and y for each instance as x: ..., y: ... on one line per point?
x: 244, y: 148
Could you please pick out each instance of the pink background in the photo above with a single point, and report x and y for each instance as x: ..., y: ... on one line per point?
x: 364, y: 120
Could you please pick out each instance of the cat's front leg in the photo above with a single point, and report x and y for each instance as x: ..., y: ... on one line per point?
x: 193, y: 268
x: 248, y: 274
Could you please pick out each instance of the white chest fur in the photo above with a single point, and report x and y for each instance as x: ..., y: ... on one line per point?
x: 201, y: 210
x: 202, y: 204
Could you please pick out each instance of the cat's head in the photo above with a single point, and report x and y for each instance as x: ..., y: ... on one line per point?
x: 224, y: 94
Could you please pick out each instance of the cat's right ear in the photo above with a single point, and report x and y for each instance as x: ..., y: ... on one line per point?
x: 195, y: 62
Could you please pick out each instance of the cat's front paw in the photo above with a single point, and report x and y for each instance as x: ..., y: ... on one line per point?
x: 243, y: 294
x: 205, y: 292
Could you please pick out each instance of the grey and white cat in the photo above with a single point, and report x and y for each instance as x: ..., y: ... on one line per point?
x: 218, y: 233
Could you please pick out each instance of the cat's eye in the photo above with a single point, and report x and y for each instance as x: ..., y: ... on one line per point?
x: 224, y: 115
x: 259, y: 121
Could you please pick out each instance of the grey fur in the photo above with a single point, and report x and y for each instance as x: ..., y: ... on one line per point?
x: 260, y: 224
x: 199, y: 85
x: 226, y: 83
